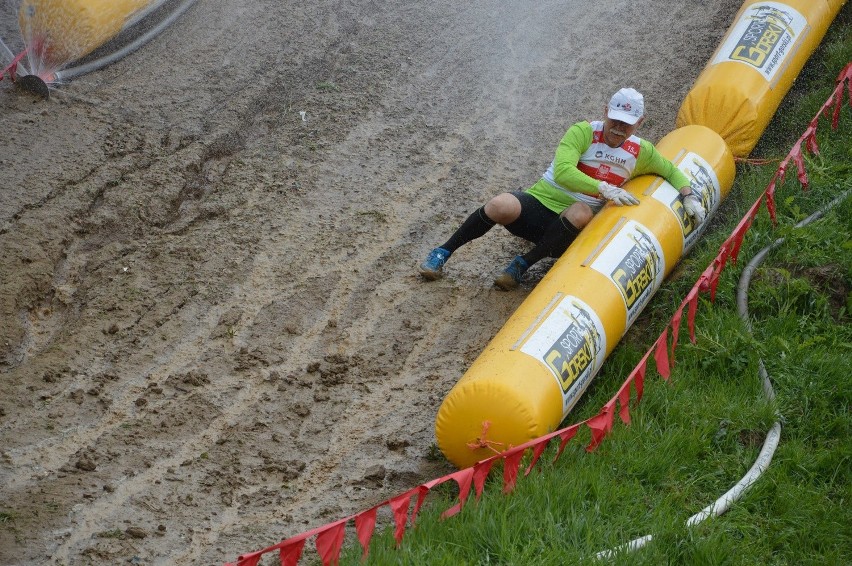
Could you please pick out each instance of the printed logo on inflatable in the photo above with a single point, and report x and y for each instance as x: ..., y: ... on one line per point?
x: 762, y: 37
x: 571, y: 343
x: 633, y: 260
x: 704, y: 183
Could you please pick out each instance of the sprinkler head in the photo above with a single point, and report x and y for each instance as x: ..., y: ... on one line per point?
x: 34, y: 85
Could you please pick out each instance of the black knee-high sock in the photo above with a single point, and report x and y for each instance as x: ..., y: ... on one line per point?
x: 556, y: 239
x: 475, y: 226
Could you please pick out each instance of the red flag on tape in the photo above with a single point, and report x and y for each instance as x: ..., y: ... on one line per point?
x: 330, y: 541
x: 812, y: 144
x: 289, y: 555
x: 464, y: 478
x: 675, y: 324
x: 480, y: 473
x: 799, y: 160
x: 624, y: 401
x: 718, y: 267
x: 600, y: 425
x: 565, y: 436
x: 399, y: 505
x: 639, y: 377
x: 736, y: 239
x: 692, y: 299
x: 661, y: 354
x: 422, y: 491
x: 770, y: 191
x: 845, y: 76
x: 538, y: 450
x: 511, y: 461
x: 365, y: 525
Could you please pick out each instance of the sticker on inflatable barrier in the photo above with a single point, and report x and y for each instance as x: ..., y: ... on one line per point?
x: 763, y: 37
x: 571, y: 343
x: 704, y: 183
x: 633, y: 260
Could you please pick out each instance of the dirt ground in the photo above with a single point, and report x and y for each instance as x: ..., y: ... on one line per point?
x: 212, y: 332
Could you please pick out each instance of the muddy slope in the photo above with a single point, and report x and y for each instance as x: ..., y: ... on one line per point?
x: 212, y: 334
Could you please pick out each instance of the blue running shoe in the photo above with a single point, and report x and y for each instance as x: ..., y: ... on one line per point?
x: 510, y: 278
x: 433, y: 267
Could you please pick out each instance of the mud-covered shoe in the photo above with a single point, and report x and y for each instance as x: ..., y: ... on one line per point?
x: 510, y: 278
x: 433, y: 267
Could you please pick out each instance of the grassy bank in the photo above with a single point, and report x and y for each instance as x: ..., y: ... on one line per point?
x: 691, y: 439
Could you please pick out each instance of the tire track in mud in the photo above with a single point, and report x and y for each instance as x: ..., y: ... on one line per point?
x: 367, y: 302
x: 50, y: 456
x: 40, y: 329
x: 362, y: 416
x: 251, y: 297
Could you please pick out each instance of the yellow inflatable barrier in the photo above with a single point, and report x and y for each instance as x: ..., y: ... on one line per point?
x: 61, y: 31
x: 537, y: 367
x: 751, y: 71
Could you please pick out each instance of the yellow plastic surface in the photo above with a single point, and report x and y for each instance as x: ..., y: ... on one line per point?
x: 739, y: 90
x: 66, y: 30
x: 537, y: 367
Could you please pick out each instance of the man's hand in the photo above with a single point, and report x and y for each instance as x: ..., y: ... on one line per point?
x: 616, y: 194
x: 694, y: 208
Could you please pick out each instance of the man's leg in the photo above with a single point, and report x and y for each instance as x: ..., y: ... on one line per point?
x: 503, y: 208
x: 557, y: 235
x: 476, y: 225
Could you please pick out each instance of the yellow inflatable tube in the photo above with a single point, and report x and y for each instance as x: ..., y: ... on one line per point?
x: 537, y: 367
x: 61, y: 31
x: 754, y: 66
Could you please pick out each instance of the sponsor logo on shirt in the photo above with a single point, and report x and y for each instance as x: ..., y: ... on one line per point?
x: 610, y: 157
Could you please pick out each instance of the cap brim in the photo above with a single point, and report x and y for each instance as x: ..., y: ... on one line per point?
x: 622, y: 117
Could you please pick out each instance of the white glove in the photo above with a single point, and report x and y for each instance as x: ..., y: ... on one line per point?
x: 616, y: 194
x: 694, y: 208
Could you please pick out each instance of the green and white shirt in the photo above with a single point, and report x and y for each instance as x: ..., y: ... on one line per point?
x: 583, y: 160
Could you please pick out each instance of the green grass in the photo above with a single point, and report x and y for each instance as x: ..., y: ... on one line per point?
x: 693, y: 438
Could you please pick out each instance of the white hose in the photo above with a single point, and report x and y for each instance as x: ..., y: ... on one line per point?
x: 22, y: 70
x: 763, y: 460
x: 153, y: 6
x: 127, y: 49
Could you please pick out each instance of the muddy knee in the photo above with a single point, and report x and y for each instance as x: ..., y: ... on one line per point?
x: 579, y: 214
x: 503, y: 209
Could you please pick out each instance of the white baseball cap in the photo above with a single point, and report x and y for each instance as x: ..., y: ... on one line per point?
x: 627, y: 105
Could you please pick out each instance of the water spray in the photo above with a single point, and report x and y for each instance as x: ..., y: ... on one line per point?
x: 59, y: 32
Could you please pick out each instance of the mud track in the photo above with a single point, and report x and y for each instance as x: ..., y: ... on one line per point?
x: 213, y: 335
